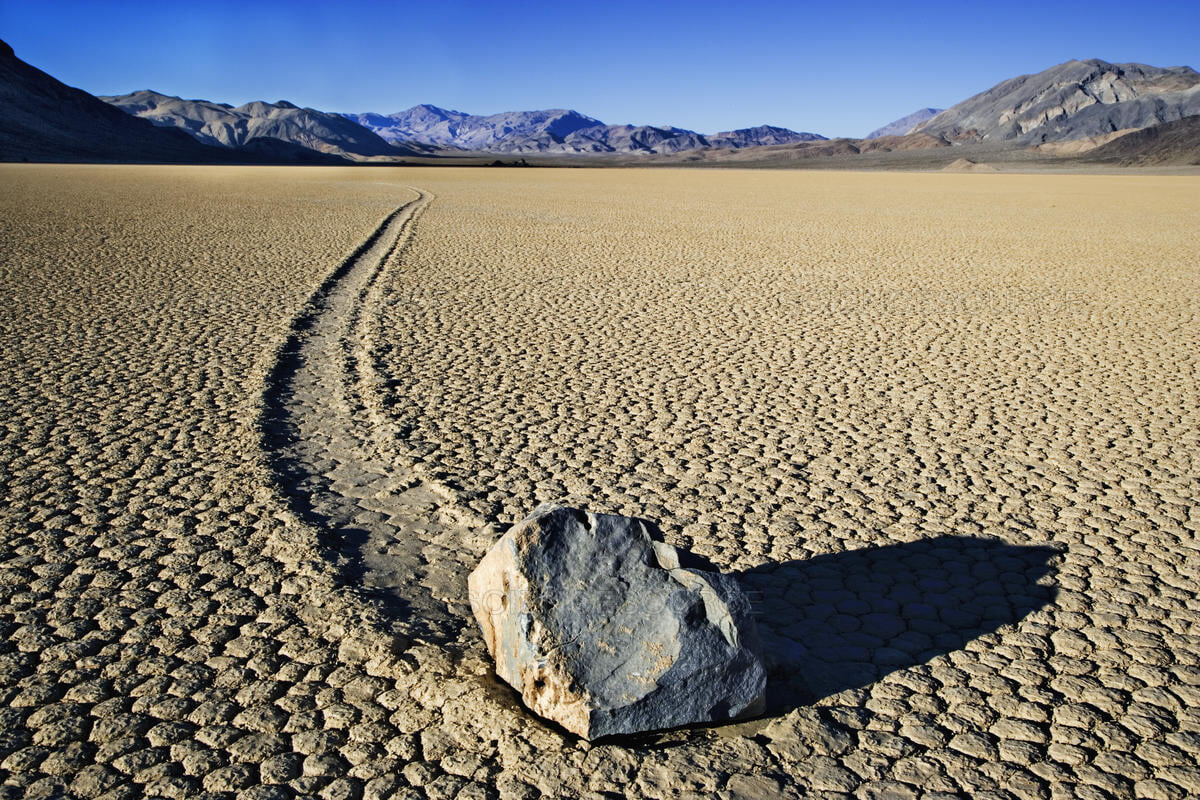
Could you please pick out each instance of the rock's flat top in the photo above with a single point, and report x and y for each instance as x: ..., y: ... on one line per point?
x: 602, y: 631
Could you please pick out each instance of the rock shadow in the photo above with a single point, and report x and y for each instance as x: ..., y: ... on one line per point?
x: 844, y: 620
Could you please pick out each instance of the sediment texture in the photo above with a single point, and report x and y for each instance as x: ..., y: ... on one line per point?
x: 944, y: 429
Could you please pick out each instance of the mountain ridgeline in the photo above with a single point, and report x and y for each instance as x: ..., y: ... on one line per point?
x: 223, y: 125
x: 43, y: 119
x: 1066, y: 111
x: 556, y: 131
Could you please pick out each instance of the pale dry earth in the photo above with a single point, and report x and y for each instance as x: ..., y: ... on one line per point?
x: 260, y: 421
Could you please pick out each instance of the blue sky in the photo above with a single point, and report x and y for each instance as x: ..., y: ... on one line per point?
x: 839, y: 69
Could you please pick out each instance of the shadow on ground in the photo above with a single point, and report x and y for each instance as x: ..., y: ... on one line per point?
x: 844, y: 620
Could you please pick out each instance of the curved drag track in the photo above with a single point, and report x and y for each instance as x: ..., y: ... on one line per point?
x: 334, y: 453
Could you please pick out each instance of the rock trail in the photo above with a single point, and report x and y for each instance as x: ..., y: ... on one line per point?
x: 332, y: 449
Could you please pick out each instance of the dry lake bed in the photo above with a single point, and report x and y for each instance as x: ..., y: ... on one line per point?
x: 257, y: 424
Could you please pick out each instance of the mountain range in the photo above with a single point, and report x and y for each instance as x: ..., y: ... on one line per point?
x: 223, y: 125
x: 556, y: 130
x: 43, y: 119
x: 1074, y: 108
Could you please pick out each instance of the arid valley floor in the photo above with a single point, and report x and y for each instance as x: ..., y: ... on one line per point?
x: 258, y: 423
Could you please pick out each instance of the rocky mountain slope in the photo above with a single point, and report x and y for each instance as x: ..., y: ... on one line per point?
x: 43, y: 119
x: 1171, y: 143
x: 905, y: 125
x: 445, y: 128
x: 760, y: 136
x: 1073, y: 100
x: 556, y: 130
x: 224, y: 125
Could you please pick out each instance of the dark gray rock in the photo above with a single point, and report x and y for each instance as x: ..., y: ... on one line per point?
x: 600, y: 629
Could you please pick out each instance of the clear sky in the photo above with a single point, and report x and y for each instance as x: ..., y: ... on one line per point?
x: 835, y: 68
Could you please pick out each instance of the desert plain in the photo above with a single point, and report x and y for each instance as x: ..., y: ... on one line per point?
x: 258, y: 424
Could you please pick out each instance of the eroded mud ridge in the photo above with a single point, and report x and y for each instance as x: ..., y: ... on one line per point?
x: 943, y: 428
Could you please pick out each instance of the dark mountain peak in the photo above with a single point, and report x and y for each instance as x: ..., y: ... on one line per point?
x: 152, y: 94
x: 429, y: 108
x: 426, y: 111
x: 562, y: 123
x: 254, y: 107
x: 1087, y: 62
x: 1085, y: 65
x: 756, y: 129
x: 142, y: 98
x: 761, y: 135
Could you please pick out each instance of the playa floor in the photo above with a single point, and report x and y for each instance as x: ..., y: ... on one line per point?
x: 259, y: 423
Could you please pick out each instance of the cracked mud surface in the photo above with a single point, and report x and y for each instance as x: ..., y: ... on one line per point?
x: 944, y: 428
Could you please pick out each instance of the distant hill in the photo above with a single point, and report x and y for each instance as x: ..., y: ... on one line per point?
x: 908, y: 141
x: 760, y: 136
x: 43, y: 119
x: 1074, y: 100
x: 1171, y: 143
x: 904, y: 125
x: 556, y: 131
x: 618, y: 139
x: 442, y: 127
x: 844, y: 152
x: 224, y: 125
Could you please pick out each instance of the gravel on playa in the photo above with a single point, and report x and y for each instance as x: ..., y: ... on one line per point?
x: 259, y: 422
